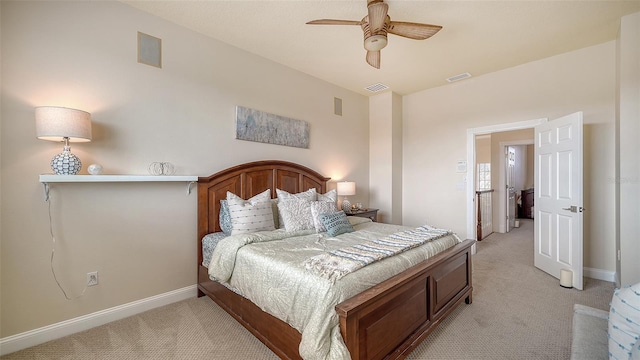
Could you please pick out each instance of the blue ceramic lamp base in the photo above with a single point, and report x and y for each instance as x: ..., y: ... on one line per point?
x: 66, y: 163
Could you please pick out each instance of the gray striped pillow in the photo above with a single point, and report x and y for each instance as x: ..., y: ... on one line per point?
x: 247, y: 216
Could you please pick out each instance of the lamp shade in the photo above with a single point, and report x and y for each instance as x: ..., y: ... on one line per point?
x: 346, y: 188
x: 55, y: 123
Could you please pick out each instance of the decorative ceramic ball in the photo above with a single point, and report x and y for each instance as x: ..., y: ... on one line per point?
x: 95, y: 169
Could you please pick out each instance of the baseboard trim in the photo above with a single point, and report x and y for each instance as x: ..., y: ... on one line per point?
x: 599, y: 274
x: 41, y: 335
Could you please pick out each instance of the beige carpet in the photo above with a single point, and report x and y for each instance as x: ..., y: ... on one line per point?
x: 518, y: 312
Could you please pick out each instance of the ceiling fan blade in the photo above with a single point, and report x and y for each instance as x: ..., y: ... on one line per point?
x: 415, y: 31
x: 334, y: 22
x: 377, y: 16
x: 373, y: 59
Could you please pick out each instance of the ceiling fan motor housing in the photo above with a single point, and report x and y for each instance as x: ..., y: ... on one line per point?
x: 378, y: 40
x: 375, y: 42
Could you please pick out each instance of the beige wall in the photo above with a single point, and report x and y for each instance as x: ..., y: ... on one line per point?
x: 483, y: 150
x: 529, y: 176
x: 385, y: 151
x: 140, y: 237
x: 436, y: 122
x: 627, y: 177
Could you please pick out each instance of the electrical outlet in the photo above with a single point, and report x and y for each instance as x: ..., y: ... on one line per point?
x: 92, y: 278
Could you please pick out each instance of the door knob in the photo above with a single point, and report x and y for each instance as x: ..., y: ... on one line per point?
x: 575, y: 209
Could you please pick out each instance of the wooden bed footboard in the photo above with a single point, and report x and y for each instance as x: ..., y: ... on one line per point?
x: 392, y: 318
x: 388, y: 321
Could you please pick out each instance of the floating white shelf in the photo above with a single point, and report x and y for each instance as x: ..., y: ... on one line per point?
x: 45, y: 179
x: 50, y: 178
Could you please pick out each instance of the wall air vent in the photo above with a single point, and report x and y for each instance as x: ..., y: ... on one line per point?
x: 377, y: 87
x: 459, y: 77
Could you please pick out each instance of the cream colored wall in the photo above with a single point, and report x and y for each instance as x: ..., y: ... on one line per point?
x: 140, y: 237
x: 436, y: 122
x: 385, y: 151
x: 627, y: 177
x: 483, y: 150
x: 529, y: 176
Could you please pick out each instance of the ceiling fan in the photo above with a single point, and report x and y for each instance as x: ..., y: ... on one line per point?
x: 377, y: 24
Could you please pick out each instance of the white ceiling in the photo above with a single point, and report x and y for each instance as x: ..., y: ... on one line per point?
x: 478, y: 37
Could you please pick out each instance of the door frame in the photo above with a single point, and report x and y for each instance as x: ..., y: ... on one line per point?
x: 471, y: 160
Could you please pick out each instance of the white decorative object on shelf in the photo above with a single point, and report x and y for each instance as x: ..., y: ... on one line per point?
x: 161, y: 168
x: 95, y: 169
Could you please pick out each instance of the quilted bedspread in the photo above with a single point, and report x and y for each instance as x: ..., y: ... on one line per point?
x: 268, y: 268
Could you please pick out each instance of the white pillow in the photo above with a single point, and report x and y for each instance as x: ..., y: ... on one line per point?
x: 331, y: 195
x: 318, y: 208
x: 283, y: 195
x: 251, y: 215
x: 309, y: 195
x: 295, y: 214
x: 624, y: 322
x: 263, y: 196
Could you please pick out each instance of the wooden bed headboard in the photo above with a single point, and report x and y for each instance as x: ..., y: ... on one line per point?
x: 247, y: 180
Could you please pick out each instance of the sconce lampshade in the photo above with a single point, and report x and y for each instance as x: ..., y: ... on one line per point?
x: 63, y: 124
x: 346, y: 188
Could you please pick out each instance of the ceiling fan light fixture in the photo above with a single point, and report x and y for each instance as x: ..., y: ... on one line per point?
x: 375, y: 42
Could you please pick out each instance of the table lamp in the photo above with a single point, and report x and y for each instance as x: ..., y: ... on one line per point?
x: 63, y: 124
x: 346, y: 188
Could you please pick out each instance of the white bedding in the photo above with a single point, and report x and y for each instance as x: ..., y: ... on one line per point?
x: 268, y: 268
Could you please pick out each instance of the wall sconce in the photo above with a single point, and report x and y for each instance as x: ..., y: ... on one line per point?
x: 346, y: 188
x: 63, y: 124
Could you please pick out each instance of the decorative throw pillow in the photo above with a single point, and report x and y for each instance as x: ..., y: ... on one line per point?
x: 318, y: 208
x: 331, y: 195
x: 336, y: 223
x: 276, y: 214
x: 225, y: 218
x: 310, y: 195
x: 263, y: 196
x: 251, y: 215
x: 624, y: 322
x: 295, y: 214
x: 284, y: 195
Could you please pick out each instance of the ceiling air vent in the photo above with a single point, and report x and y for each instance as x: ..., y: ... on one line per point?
x: 377, y: 87
x: 459, y: 77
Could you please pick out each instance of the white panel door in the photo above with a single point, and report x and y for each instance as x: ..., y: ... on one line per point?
x: 558, y: 197
x: 510, y: 166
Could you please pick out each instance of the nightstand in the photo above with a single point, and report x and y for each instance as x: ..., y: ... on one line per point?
x: 367, y: 213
